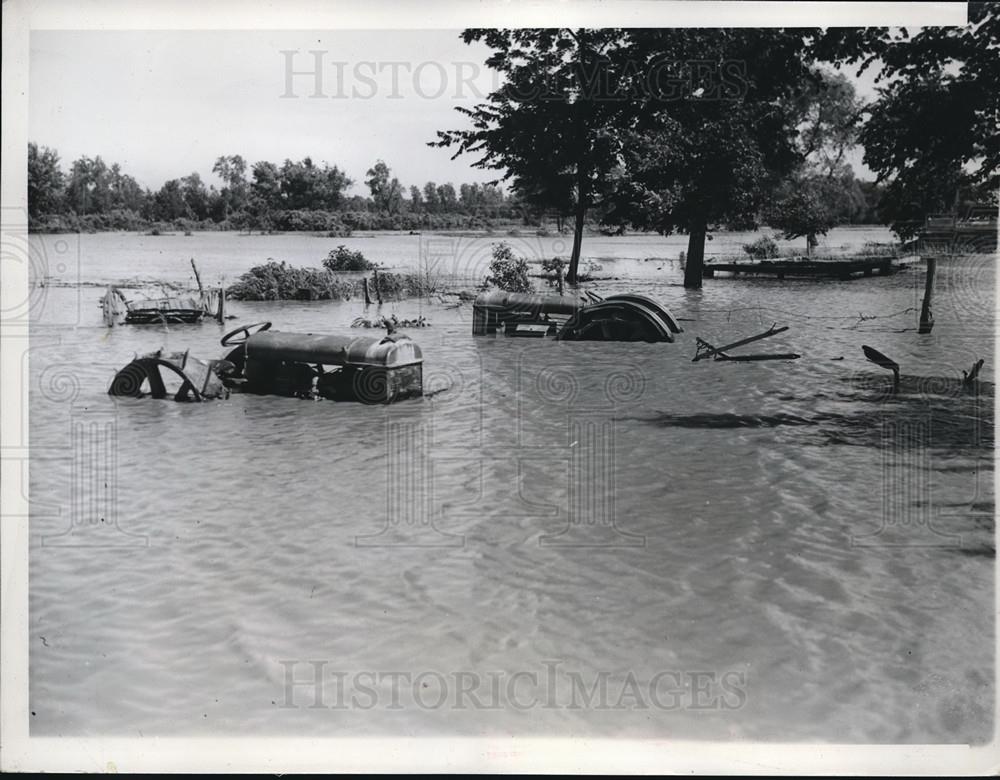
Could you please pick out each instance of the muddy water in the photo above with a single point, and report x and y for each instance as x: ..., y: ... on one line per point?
x: 560, y: 539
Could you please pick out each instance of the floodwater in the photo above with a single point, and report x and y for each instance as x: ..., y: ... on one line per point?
x: 561, y: 539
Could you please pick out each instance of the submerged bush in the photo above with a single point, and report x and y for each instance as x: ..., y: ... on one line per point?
x: 553, y: 271
x: 391, y: 285
x: 761, y: 249
x: 879, y: 249
x: 275, y: 281
x: 344, y: 259
x: 506, y: 271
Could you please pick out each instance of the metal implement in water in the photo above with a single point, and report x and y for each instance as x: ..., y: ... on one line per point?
x: 343, y: 368
x: 199, y: 379
x: 625, y: 317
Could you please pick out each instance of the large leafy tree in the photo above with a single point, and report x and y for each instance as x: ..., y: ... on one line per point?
x: 386, y: 190
x: 716, y: 136
x: 549, y: 128
x: 195, y: 195
x: 305, y: 185
x: 45, y: 181
x: 232, y: 170
x: 931, y: 135
x: 822, y: 192
x: 88, y: 189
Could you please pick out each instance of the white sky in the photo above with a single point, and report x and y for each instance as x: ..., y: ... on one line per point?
x: 165, y: 103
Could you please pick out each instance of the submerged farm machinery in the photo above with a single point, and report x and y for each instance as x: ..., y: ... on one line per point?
x: 625, y: 317
x: 375, y: 370
x: 306, y: 365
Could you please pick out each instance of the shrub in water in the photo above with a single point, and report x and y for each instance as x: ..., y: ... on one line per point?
x: 761, y: 249
x: 281, y: 282
x: 506, y: 271
x: 344, y: 259
x: 398, y: 286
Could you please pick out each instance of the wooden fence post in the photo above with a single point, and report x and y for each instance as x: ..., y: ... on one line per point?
x: 926, y: 316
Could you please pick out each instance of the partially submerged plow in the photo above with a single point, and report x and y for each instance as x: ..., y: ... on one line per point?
x: 625, y: 317
x: 305, y: 365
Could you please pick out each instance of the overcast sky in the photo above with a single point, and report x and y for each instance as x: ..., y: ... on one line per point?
x: 163, y: 104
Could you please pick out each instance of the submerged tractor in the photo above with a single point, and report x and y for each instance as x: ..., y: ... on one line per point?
x: 304, y: 365
x: 625, y: 317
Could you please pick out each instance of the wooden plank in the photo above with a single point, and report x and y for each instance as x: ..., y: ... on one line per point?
x: 716, y: 350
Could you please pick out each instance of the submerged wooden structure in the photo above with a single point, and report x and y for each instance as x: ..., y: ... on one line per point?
x: 168, y: 310
x: 812, y: 269
x: 972, y: 233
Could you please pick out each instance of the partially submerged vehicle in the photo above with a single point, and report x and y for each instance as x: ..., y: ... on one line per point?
x: 306, y: 365
x: 624, y: 317
x: 522, y: 314
x: 343, y: 368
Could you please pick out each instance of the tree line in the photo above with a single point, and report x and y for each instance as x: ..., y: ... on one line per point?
x: 295, y: 195
x: 304, y: 195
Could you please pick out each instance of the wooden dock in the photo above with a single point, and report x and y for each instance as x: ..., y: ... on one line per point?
x: 814, y: 269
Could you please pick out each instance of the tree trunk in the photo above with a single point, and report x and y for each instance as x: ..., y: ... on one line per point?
x: 695, y: 257
x: 581, y: 214
x: 574, y: 258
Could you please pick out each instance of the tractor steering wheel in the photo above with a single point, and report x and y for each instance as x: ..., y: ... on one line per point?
x: 228, y: 340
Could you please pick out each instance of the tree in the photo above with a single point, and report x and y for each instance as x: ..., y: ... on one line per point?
x: 551, y: 128
x: 931, y: 134
x: 822, y: 191
x: 195, y: 195
x: 447, y: 198
x: 125, y: 191
x: 232, y: 171
x: 431, y: 196
x: 387, y: 193
x: 169, y: 202
x: 45, y: 181
x: 88, y: 190
x: 416, y: 199
x: 827, y: 112
x: 302, y: 185
x: 803, y: 207
x: 265, y: 187
x: 707, y: 152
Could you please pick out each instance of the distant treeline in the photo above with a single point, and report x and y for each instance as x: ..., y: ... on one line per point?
x: 303, y: 195
x: 294, y: 196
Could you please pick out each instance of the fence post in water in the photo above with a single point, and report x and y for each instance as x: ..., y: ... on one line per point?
x: 220, y: 314
x: 926, y: 317
x: 378, y: 292
x: 364, y: 286
x: 197, y: 277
